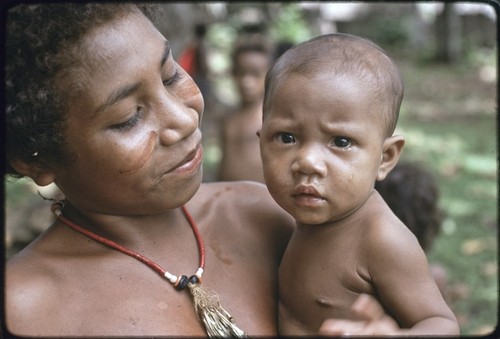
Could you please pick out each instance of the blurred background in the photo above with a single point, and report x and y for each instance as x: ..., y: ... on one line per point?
x: 447, y: 54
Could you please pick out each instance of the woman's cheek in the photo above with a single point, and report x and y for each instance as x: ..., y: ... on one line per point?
x: 138, y: 155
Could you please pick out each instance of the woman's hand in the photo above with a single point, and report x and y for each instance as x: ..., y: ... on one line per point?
x: 374, y: 320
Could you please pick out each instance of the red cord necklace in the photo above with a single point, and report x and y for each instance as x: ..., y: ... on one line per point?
x: 217, y: 321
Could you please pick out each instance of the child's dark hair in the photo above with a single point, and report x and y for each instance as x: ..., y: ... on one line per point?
x: 41, y: 42
x: 412, y: 193
x: 344, y: 55
x: 251, y: 43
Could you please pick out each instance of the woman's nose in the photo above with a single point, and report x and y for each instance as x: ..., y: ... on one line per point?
x: 177, y: 120
x: 309, y: 162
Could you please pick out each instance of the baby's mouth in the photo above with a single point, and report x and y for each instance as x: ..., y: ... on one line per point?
x: 307, y: 194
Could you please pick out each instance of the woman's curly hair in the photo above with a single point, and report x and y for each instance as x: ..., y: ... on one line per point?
x: 412, y: 193
x: 41, y: 41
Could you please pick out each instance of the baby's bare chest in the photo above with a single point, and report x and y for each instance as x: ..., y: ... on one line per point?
x: 320, y: 282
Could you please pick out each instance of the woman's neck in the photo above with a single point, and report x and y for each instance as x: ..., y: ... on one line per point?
x: 131, y: 231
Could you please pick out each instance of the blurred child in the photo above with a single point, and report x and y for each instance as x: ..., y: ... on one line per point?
x: 251, y: 58
x: 412, y: 193
x: 330, y: 109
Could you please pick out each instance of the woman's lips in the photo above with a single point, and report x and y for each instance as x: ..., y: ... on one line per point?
x: 190, y: 163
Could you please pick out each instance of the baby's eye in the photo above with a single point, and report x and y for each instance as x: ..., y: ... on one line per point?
x: 342, y: 142
x: 285, y: 138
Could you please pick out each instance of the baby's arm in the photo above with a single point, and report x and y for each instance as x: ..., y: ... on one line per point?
x: 399, y: 271
x: 372, y: 320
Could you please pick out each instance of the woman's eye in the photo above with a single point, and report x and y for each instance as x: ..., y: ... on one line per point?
x: 342, y: 142
x: 128, y: 124
x: 285, y: 138
x: 172, y: 80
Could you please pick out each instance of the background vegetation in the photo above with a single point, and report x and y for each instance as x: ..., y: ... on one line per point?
x: 460, y: 147
x: 448, y: 116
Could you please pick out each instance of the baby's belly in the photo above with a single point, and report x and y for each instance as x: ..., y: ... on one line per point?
x: 307, y: 315
x: 290, y: 325
x: 304, y: 305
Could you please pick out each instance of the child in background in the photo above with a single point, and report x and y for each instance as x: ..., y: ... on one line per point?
x: 330, y: 109
x: 412, y: 193
x: 252, y: 58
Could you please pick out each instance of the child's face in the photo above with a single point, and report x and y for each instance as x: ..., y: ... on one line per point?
x: 250, y: 73
x: 133, y: 130
x: 321, y: 146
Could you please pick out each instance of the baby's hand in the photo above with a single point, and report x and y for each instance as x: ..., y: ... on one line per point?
x: 374, y: 320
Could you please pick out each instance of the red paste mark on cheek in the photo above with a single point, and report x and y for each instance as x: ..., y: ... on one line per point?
x: 192, y: 96
x: 189, y: 91
x: 144, y: 155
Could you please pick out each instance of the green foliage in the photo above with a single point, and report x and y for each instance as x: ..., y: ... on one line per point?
x: 463, y: 154
x: 290, y: 25
x: 390, y: 32
x: 16, y: 190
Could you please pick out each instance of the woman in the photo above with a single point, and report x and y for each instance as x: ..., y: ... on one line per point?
x: 97, y: 105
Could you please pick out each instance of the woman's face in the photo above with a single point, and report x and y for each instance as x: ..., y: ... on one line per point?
x: 133, y: 130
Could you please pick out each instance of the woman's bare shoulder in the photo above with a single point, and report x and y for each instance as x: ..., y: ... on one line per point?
x: 29, y: 262
x: 247, y: 199
x: 246, y: 195
x: 244, y: 213
x: 29, y: 291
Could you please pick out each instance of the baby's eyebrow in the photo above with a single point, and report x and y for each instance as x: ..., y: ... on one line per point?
x: 129, y: 89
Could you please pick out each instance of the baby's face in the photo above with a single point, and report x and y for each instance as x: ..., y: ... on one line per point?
x: 321, y: 145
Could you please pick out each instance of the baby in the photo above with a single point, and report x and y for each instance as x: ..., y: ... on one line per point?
x: 330, y: 109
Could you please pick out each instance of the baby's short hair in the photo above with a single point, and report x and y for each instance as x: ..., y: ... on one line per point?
x: 347, y: 55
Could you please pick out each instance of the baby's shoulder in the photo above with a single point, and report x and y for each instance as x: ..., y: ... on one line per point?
x: 383, y: 229
x: 388, y: 237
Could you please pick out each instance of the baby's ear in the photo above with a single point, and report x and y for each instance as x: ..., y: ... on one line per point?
x: 391, y: 152
x: 42, y: 177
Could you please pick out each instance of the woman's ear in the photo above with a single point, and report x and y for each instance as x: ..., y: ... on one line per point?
x: 41, y: 176
x: 391, y: 152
